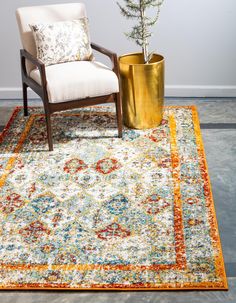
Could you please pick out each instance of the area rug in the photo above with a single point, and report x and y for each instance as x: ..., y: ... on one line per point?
x: 103, y: 213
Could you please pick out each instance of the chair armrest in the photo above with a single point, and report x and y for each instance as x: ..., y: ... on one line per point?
x: 31, y: 58
x: 110, y: 54
x: 35, y: 61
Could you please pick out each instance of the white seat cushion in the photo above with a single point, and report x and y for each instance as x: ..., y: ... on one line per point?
x: 77, y: 80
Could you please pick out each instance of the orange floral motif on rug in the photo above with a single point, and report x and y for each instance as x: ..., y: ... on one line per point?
x: 103, y: 213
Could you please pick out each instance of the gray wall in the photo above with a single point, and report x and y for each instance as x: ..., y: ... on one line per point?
x: 196, y: 37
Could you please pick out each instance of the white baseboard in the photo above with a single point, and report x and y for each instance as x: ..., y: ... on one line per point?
x: 15, y: 93
x: 170, y: 91
x: 200, y: 91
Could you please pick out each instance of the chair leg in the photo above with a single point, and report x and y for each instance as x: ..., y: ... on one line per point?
x: 119, y: 114
x: 49, y: 130
x: 25, y: 99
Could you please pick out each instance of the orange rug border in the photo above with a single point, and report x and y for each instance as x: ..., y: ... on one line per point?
x: 146, y: 287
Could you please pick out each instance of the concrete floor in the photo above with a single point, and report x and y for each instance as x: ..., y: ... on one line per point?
x: 218, y: 123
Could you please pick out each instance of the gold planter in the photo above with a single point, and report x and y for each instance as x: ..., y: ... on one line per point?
x: 142, y: 90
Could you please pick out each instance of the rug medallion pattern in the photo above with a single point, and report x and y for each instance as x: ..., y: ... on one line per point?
x: 101, y: 212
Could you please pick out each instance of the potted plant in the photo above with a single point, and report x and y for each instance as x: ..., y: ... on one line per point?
x: 142, y: 74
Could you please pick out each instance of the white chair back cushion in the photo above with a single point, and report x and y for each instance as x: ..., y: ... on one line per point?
x: 47, y: 14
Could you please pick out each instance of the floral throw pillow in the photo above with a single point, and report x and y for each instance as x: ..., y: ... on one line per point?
x: 62, y: 41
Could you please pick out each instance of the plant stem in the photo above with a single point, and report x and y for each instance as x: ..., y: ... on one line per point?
x: 144, y: 39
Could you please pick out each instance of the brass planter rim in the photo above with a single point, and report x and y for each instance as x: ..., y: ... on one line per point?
x: 133, y: 54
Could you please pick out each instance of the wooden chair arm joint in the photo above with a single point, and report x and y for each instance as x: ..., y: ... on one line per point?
x: 31, y: 58
x: 108, y: 53
x: 35, y: 61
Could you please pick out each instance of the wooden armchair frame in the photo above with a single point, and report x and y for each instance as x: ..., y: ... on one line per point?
x: 51, y: 108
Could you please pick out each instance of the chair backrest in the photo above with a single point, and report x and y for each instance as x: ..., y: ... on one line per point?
x: 47, y: 14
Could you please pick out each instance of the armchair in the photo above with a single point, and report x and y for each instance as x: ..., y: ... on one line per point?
x: 68, y: 85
